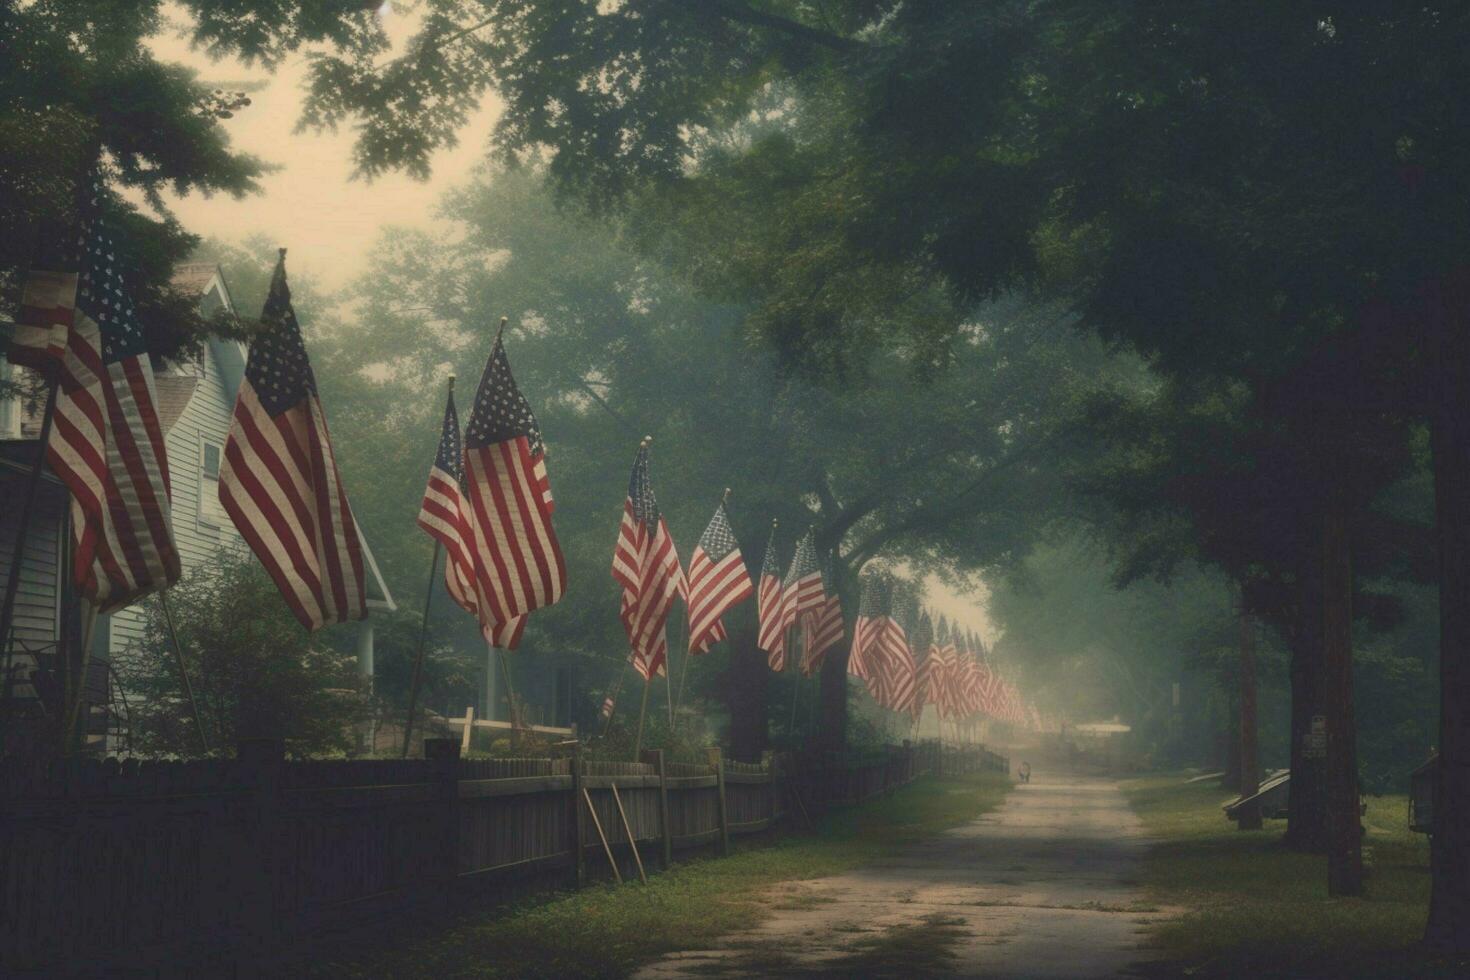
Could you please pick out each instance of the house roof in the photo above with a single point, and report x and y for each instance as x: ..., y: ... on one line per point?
x: 193, y: 278
x: 172, y: 392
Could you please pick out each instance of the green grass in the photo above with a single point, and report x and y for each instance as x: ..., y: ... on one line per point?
x: 608, y: 930
x: 1253, y: 908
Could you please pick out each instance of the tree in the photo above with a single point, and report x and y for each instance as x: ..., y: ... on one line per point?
x: 942, y: 462
x: 79, y: 85
x: 254, y: 672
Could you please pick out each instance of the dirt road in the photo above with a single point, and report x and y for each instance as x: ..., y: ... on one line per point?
x: 1042, y: 887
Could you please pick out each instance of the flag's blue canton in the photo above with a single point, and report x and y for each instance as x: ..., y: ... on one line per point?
x: 770, y: 565
x: 450, y: 459
x: 278, y: 369
x: 501, y: 412
x: 804, y: 562
x: 718, y: 539
x: 101, y: 292
x: 922, y: 635
x: 874, y: 602
x: 640, y: 490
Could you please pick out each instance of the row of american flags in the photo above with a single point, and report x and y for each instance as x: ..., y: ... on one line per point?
x: 906, y: 658
x: 490, y: 504
x: 487, y: 502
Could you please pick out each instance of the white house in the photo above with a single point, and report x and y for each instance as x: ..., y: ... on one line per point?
x: 195, y: 402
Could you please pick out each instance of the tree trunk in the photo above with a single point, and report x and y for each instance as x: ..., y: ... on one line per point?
x: 1449, y: 349
x: 1344, y: 826
x: 745, y: 693
x: 1250, y: 772
x: 1306, y: 808
x: 833, y: 726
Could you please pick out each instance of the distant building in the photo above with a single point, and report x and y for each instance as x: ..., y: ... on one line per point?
x: 195, y: 402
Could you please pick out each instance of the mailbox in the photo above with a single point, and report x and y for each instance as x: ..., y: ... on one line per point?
x: 1422, y: 785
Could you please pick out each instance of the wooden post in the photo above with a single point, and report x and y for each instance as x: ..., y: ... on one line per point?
x: 464, y: 736
x: 606, y: 848
x: 632, y: 838
x: 259, y: 764
x: 716, y: 759
x: 657, y: 759
x: 579, y: 818
x: 418, y: 657
x: 443, y: 756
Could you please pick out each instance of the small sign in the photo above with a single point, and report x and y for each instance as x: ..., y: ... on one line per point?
x: 1314, y: 743
x: 1319, y: 725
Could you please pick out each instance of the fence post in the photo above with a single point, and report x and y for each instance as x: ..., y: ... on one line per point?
x: 717, y: 760
x: 579, y: 818
x: 656, y: 758
x: 443, y: 757
x: 260, y: 763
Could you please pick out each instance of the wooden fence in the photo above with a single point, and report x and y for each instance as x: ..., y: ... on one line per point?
x: 127, y: 865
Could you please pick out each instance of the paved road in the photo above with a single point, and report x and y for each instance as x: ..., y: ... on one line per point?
x: 1042, y: 887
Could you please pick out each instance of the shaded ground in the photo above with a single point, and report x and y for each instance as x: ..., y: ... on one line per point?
x: 606, y: 930
x: 1045, y: 886
x: 1254, y: 908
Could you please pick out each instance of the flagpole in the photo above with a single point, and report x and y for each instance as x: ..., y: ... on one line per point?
x: 642, y: 712
x: 418, y: 657
x: 168, y: 618
x: 77, y: 680
x: 617, y: 691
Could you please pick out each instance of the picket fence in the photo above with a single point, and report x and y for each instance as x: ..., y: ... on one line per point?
x: 136, y: 866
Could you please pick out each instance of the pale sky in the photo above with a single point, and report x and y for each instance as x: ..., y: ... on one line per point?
x: 329, y: 221
x: 312, y: 206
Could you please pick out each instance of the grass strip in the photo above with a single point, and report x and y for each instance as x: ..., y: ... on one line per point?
x: 1254, y: 908
x: 607, y: 930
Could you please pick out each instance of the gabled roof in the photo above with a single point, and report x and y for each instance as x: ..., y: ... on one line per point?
x: 173, y: 392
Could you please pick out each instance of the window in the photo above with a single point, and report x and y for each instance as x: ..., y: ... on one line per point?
x: 210, y: 511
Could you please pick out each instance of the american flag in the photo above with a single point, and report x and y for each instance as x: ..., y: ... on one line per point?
x: 106, y: 441
x: 646, y: 565
x: 608, y: 704
x: 821, y: 630
x: 802, y: 594
x: 945, y: 676
x: 279, y: 481
x: 48, y: 305
x: 445, y: 514
x: 718, y: 582
x: 863, y: 659
x: 517, y: 558
x: 921, y: 644
x: 896, y: 670
x: 769, y: 607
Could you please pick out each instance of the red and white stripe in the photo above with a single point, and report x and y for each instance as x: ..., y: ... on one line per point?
x: 714, y: 589
x: 48, y: 304
x: 518, y: 560
x: 770, y: 607
x: 106, y: 446
x: 646, y: 565
x: 280, y: 485
x: 821, y: 631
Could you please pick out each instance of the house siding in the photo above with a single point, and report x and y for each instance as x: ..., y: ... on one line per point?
x: 205, y: 418
x: 36, y: 612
